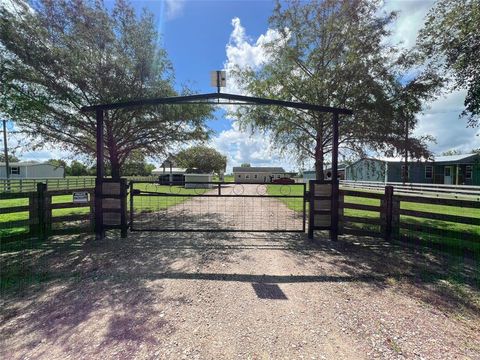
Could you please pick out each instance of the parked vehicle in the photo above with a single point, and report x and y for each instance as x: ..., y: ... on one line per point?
x: 283, y: 181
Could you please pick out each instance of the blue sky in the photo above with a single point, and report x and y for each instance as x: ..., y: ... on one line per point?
x: 201, y: 36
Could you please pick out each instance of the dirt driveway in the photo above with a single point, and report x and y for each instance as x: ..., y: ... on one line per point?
x: 232, y: 212
x: 235, y: 296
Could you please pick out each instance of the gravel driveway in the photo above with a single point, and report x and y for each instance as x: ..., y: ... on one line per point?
x: 236, y: 296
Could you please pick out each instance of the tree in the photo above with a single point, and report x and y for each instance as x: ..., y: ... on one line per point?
x: 202, y: 158
x: 137, y: 166
x: 63, y: 55
x: 335, y: 53
x: 58, y: 163
x: 450, y: 42
x: 451, y: 152
x: 245, y: 165
x: 76, y: 168
x: 11, y: 158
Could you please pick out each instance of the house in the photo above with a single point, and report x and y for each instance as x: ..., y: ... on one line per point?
x: 327, y: 173
x: 452, y: 169
x: 259, y: 174
x: 169, y: 172
x: 31, y: 170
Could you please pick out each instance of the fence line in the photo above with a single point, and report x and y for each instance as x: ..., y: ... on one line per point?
x: 391, y: 219
x: 436, y: 190
x: 40, y: 208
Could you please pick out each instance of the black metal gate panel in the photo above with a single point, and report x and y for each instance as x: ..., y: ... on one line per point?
x: 217, y: 206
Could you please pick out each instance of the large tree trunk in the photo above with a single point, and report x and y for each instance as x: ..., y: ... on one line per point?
x: 319, y: 158
x: 113, y: 153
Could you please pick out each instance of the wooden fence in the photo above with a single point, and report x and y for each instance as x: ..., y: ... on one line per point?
x: 391, y: 218
x: 41, y: 212
x: 471, y: 192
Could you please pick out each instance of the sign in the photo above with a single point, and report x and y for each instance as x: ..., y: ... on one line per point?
x: 218, y: 78
x: 80, y: 197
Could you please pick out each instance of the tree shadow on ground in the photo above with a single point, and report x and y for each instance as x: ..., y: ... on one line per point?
x: 51, y: 289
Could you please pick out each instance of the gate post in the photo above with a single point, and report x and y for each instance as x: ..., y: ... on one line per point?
x: 99, y: 230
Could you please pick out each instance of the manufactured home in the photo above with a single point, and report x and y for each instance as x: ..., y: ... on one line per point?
x: 452, y: 169
x: 31, y: 170
x: 259, y: 174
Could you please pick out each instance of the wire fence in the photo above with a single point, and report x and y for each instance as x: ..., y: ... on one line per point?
x: 222, y: 207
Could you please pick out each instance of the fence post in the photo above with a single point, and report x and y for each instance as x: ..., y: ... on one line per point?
x: 396, y: 217
x: 41, y: 189
x: 341, y: 212
x: 387, y: 212
x: 123, y: 207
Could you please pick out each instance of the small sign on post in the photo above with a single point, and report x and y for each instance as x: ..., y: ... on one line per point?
x: 80, y: 197
x: 218, y: 79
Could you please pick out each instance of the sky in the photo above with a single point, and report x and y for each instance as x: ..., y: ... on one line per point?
x: 200, y: 36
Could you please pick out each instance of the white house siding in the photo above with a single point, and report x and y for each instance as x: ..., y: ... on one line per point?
x: 367, y: 170
x: 33, y: 171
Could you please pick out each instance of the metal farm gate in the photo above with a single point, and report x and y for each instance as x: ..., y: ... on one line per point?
x: 217, y: 206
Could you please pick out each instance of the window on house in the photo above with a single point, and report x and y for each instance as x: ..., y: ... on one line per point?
x: 255, y: 176
x: 405, y: 172
x: 239, y: 176
x: 468, y: 172
x: 15, y: 170
x: 428, y: 172
x: 279, y: 176
x: 247, y: 176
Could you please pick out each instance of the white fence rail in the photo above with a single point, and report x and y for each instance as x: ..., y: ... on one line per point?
x: 25, y: 185
x: 80, y: 182
x: 435, y: 190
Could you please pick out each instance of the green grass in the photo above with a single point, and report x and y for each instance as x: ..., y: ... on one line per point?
x: 451, y: 241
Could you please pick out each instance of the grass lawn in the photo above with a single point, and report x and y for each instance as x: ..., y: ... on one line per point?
x: 456, y: 242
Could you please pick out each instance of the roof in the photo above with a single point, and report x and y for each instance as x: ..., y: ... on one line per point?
x: 27, y: 163
x: 175, y: 170
x: 449, y: 158
x: 258, y: 169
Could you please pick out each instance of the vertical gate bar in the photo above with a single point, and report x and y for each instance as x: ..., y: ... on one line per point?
x: 131, y: 205
x: 334, y: 207
x: 311, y: 216
x: 304, y: 200
x: 99, y: 231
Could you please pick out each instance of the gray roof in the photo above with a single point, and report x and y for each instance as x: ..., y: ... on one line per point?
x: 258, y: 169
x: 449, y: 158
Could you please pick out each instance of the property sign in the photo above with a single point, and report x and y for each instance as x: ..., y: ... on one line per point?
x: 80, y: 197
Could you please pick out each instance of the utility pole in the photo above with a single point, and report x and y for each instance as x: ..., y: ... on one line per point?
x: 5, y: 151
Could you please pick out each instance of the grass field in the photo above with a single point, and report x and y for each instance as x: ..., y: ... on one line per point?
x: 296, y: 204
x: 152, y: 203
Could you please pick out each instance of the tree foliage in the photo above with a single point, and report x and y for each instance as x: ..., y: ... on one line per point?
x: 202, y: 158
x: 67, y: 54
x: 450, y: 42
x: 335, y: 53
x: 11, y: 158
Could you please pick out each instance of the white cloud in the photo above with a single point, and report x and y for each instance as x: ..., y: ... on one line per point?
x: 411, y: 16
x: 243, y: 52
x: 241, y: 147
x: 174, y: 8
x: 442, y: 121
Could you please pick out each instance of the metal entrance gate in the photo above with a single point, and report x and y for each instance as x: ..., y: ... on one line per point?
x: 218, y: 206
